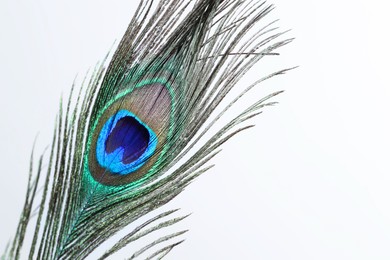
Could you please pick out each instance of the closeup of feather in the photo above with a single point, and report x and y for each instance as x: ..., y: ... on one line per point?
x: 309, y: 181
x: 142, y: 126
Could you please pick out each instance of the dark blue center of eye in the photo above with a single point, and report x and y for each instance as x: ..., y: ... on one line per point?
x: 125, y: 143
x: 129, y: 135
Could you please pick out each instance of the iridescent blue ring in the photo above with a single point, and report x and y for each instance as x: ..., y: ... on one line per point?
x: 125, y: 143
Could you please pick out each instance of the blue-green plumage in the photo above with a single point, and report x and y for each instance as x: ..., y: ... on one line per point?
x: 149, y: 104
x: 128, y: 145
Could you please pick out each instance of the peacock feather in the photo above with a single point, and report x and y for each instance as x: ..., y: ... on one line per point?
x: 137, y: 132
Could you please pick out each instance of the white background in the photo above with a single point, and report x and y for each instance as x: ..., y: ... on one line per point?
x: 311, y: 181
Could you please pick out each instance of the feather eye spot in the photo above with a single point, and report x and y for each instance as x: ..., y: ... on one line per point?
x: 125, y: 143
x: 128, y: 137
